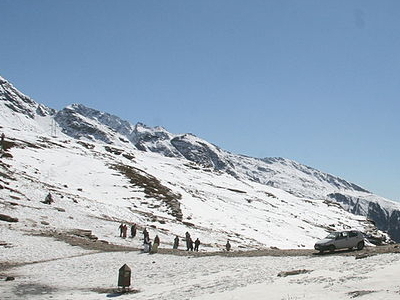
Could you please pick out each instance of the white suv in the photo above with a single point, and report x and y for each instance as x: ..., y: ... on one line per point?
x: 341, y: 240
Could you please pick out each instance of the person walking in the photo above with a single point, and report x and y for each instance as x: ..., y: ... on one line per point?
x: 146, y: 240
x: 228, y: 246
x: 156, y: 243
x: 2, y: 140
x: 187, y: 239
x: 196, y: 244
x: 176, y: 243
x: 146, y: 244
x: 145, y: 234
x: 124, y: 231
x: 133, y: 230
x: 190, y: 244
x: 121, y: 226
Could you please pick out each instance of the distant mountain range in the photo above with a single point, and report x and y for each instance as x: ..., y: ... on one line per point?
x: 90, y: 126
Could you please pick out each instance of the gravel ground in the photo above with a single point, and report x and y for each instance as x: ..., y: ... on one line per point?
x: 86, y: 241
x: 103, y: 246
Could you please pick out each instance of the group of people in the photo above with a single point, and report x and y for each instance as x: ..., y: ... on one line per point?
x: 123, y: 230
x: 189, y: 243
x: 149, y: 247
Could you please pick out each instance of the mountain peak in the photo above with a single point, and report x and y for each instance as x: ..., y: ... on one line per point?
x: 21, y: 107
x: 301, y: 181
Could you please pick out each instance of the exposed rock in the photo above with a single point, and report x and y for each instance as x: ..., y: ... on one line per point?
x: 20, y: 103
x: 359, y: 293
x: 73, y: 124
x: 197, y: 151
x: 381, y: 217
x: 152, y: 188
x: 8, y: 218
x: 293, y: 272
x: 364, y: 255
x: 84, y: 233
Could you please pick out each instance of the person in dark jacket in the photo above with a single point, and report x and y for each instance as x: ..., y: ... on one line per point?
x: 190, y: 244
x: 121, y: 229
x: 145, y: 234
x: 133, y: 230
x: 188, y: 239
x: 2, y: 140
x: 48, y: 199
x: 157, y: 240
x: 154, y: 247
x: 228, y: 246
x: 196, y: 244
x: 124, y: 230
x: 176, y: 242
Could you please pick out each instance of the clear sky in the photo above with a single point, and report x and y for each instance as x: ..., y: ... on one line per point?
x: 313, y: 81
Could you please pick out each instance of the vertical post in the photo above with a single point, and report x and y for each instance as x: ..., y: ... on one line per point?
x: 124, y: 276
x: 2, y: 140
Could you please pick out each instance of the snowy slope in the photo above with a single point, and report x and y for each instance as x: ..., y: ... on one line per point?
x: 295, y: 178
x: 19, y: 111
x: 100, y: 167
x: 92, y: 185
x: 103, y: 171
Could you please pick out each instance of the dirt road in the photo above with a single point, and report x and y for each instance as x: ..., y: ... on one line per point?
x: 84, y: 241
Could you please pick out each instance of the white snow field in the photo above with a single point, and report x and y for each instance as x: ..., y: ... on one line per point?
x: 90, y: 195
x: 100, y: 181
x: 65, y: 272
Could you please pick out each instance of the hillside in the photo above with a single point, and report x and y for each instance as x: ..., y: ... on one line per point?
x: 102, y: 171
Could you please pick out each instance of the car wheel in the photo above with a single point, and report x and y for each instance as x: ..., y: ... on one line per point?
x: 321, y: 251
x: 331, y: 248
x: 360, y: 245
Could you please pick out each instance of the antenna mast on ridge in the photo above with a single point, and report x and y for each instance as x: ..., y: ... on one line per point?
x: 53, y: 128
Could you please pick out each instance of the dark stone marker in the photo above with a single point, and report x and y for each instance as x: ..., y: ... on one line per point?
x: 124, y: 277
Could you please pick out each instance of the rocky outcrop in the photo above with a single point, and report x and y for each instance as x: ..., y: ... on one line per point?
x: 152, y: 188
x: 384, y: 219
x: 199, y: 152
x: 74, y: 125
x: 7, y: 218
x: 20, y: 103
x: 156, y: 140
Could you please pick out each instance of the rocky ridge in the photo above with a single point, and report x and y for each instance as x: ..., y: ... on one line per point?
x: 90, y: 125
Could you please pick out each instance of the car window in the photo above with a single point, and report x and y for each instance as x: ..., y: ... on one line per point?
x: 340, y: 236
x: 353, y: 233
x: 332, y: 235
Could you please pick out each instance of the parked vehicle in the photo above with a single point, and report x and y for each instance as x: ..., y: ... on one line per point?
x: 341, y: 240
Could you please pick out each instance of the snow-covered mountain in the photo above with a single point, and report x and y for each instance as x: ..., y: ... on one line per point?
x: 100, y: 166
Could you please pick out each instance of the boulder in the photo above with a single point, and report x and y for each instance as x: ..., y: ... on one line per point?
x: 7, y: 218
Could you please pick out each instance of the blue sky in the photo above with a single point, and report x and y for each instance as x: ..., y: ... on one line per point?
x: 314, y: 81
